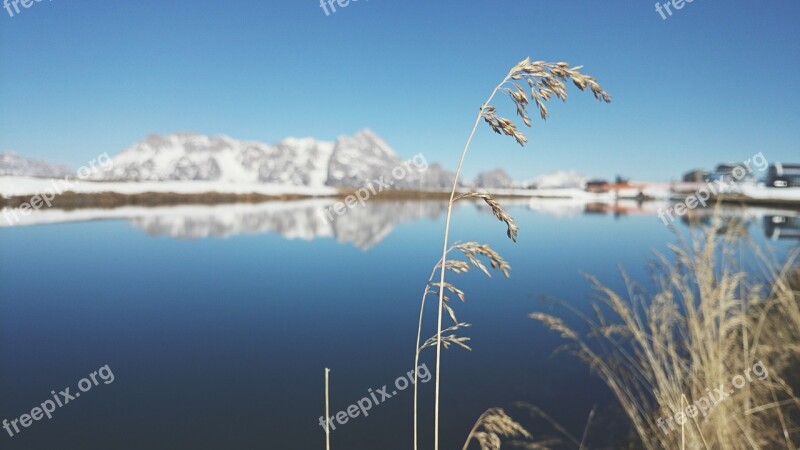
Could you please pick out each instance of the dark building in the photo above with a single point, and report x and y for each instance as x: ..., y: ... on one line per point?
x: 597, y: 186
x: 695, y: 176
x: 783, y: 175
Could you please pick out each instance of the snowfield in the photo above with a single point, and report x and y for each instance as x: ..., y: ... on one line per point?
x: 756, y: 192
x: 24, y: 186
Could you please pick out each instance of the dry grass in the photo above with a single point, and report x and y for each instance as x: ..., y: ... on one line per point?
x: 492, y: 427
x: 475, y: 255
x: 544, y: 80
x: 498, y: 212
x: 710, y: 320
x: 495, y: 427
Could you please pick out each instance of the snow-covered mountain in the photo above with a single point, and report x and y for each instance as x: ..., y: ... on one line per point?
x: 189, y: 156
x: 350, y: 161
x: 12, y: 164
x: 497, y: 178
x: 559, y: 179
x: 358, y: 160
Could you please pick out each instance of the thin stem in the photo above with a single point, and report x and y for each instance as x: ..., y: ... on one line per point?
x: 416, y: 354
x: 444, y: 261
x: 327, y: 411
x: 416, y: 365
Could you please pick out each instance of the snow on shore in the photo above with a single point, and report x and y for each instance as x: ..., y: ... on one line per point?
x: 755, y: 192
x: 11, y: 186
x: 24, y: 186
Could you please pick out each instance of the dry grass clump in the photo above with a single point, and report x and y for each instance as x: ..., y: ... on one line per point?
x: 495, y: 427
x: 710, y: 320
x: 492, y: 427
x: 782, y: 315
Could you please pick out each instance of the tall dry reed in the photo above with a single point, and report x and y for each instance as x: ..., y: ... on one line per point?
x: 544, y: 81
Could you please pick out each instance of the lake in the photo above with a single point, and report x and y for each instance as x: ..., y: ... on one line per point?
x: 217, y: 322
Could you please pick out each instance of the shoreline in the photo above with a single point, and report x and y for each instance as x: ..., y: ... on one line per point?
x: 109, y: 200
x: 78, y: 200
x: 16, y: 192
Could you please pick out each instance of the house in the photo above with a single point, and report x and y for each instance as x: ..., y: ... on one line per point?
x: 696, y: 176
x: 783, y: 175
x: 598, y: 186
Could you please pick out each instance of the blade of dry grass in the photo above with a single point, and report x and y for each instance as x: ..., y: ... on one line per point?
x: 545, y: 80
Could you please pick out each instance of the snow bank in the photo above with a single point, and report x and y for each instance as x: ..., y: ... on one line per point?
x: 24, y: 186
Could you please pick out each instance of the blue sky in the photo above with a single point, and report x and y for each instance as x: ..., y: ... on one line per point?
x: 716, y: 81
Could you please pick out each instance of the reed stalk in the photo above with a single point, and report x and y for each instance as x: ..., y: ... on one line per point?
x: 327, y: 410
x: 545, y: 80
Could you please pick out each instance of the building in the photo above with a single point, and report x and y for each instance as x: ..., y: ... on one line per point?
x: 783, y: 175
x: 597, y: 186
x: 696, y: 176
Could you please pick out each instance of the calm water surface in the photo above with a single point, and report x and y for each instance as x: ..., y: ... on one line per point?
x: 217, y: 322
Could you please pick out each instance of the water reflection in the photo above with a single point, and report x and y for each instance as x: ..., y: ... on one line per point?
x: 366, y: 226
x: 782, y: 226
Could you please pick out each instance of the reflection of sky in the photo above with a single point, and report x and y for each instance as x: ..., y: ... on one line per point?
x: 366, y: 226
x: 221, y: 343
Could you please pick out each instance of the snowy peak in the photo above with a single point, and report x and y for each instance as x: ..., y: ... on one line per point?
x: 349, y: 162
x: 294, y: 161
x: 497, y: 178
x: 191, y: 156
x: 11, y: 164
x: 299, y: 162
x: 369, y: 139
x: 359, y: 159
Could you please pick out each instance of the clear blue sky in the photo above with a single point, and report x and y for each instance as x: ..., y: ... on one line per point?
x: 716, y: 81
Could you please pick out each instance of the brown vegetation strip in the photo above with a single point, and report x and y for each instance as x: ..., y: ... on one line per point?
x: 73, y: 200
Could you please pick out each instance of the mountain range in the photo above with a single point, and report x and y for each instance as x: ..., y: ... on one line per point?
x: 12, y: 164
x: 348, y: 162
